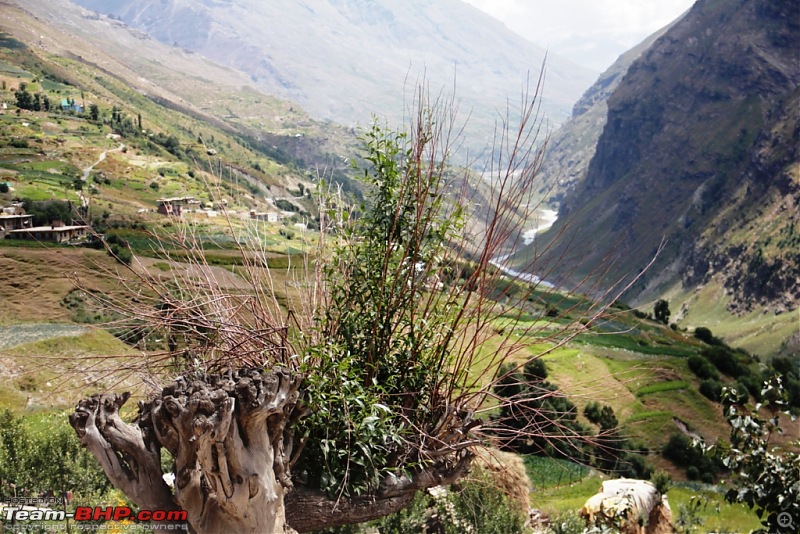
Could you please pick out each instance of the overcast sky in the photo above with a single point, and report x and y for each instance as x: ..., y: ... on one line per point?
x: 592, y: 33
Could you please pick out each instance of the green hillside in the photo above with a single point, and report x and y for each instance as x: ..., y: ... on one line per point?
x: 73, y: 134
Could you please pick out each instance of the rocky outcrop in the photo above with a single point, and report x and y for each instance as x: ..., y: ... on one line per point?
x: 570, y: 148
x: 629, y: 506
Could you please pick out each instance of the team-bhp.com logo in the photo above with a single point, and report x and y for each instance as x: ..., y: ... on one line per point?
x: 96, y: 513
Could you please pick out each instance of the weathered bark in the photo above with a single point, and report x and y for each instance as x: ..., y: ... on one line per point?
x: 129, y: 454
x: 309, y: 510
x: 231, y: 447
x: 229, y: 438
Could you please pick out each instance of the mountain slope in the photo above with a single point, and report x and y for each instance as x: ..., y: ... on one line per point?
x: 178, y: 78
x: 571, y: 147
x: 108, y: 159
x: 348, y: 59
x: 700, y: 150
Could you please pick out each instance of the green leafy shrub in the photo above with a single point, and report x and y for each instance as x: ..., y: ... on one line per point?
x: 725, y: 359
x: 568, y: 523
x: 683, y: 452
x: 475, y: 505
x: 365, y: 379
x: 121, y: 253
x: 711, y: 389
x: 287, y: 205
x: 19, y: 143
x: 50, y: 460
x: 763, y: 476
x: 662, y: 481
x: 704, y: 334
x: 702, y: 368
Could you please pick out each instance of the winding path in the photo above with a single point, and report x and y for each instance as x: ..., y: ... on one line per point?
x: 88, y: 170
x: 102, y: 157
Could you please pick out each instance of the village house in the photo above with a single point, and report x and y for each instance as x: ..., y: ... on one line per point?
x: 57, y: 232
x: 269, y: 216
x: 70, y: 105
x: 14, y: 218
x: 173, y: 206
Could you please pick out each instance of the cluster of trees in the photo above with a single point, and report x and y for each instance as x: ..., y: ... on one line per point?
x: 739, y: 365
x: 550, y: 412
x: 32, y: 101
x: 46, y: 211
x: 549, y: 427
x: 122, y: 123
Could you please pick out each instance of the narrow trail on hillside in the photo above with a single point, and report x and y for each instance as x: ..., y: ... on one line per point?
x: 88, y: 170
x: 102, y: 157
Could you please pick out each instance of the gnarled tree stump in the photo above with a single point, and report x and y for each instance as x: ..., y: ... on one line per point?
x: 227, y: 434
x: 231, y: 439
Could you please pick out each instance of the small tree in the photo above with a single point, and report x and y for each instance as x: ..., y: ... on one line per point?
x: 601, y: 415
x: 24, y: 98
x: 705, y: 335
x: 661, y: 311
x: 763, y: 476
x: 94, y: 112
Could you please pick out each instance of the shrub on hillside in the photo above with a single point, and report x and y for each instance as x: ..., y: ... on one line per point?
x: 702, y: 368
x: 683, y: 452
x: 661, y: 311
x: 704, y: 334
x: 121, y: 254
x: 286, y: 205
x: 19, y: 143
x: 725, y: 359
x: 711, y: 389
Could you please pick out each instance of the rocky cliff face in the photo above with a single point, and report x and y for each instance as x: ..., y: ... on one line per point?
x: 700, y: 153
x: 572, y: 146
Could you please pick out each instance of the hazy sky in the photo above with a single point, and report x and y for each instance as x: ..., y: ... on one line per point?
x: 592, y: 33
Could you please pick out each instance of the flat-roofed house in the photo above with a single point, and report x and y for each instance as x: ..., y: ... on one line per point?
x: 173, y: 206
x: 57, y: 232
x: 15, y: 222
